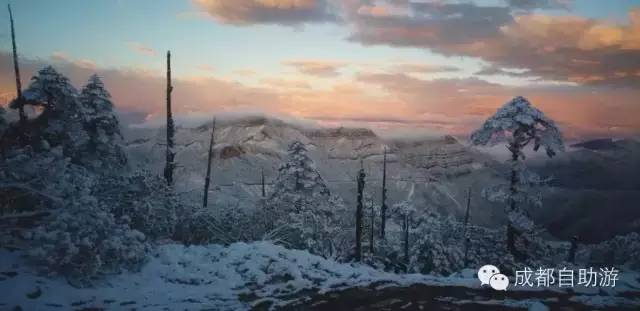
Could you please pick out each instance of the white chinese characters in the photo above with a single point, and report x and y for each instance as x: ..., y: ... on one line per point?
x: 566, y: 278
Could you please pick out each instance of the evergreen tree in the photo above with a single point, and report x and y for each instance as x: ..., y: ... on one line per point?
x: 104, y: 148
x: 53, y: 91
x: 299, y: 175
x: 63, y: 117
x: 305, y: 214
x: 519, y: 123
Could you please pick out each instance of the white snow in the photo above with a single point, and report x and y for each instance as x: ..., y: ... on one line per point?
x: 236, y: 277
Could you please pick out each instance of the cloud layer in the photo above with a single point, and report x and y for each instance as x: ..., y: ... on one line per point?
x: 379, y: 98
x: 560, y: 48
x: 515, y: 34
x: 284, y: 12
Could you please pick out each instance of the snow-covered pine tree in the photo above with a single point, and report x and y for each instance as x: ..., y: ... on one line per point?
x: 299, y: 175
x: 104, y: 149
x: 305, y: 214
x: 63, y: 117
x: 518, y: 123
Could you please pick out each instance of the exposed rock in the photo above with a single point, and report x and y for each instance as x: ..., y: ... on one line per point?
x: 231, y: 152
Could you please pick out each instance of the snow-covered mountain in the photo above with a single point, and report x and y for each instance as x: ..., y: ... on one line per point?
x: 434, y: 172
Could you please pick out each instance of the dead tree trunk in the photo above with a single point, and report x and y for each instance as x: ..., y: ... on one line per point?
x: 405, y: 227
x: 466, y: 223
x: 207, y: 179
x: 359, y: 208
x: 264, y: 192
x: 16, y: 68
x: 383, y: 205
x: 372, y: 221
x: 170, y: 156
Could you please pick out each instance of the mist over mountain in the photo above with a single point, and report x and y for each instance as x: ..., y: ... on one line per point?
x: 590, y: 188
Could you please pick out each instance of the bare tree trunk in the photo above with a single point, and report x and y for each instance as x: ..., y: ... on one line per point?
x: 383, y: 205
x: 466, y: 223
x: 371, y: 229
x: 170, y: 164
x: 405, y: 226
x: 16, y: 68
x: 268, y: 216
x: 207, y: 179
x: 512, y: 233
x: 264, y: 192
x: 359, y: 208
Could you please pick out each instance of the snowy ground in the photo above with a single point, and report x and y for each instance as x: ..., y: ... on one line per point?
x: 240, y: 277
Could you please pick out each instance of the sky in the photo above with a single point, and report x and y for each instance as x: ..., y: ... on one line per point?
x: 440, y: 66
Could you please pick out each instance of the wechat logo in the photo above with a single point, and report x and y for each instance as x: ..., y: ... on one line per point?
x: 490, y: 275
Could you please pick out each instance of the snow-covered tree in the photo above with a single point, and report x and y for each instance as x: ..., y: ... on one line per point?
x: 144, y: 198
x: 518, y: 124
x: 50, y: 89
x: 104, y: 149
x: 63, y: 117
x: 304, y: 212
x: 41, y: 177
x: 299, y: 175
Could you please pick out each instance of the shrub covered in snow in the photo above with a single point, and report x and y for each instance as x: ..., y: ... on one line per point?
x: 145, y: 199
x: 83, y: 241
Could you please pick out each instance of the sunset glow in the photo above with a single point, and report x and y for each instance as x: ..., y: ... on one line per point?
x: 440, y: 66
